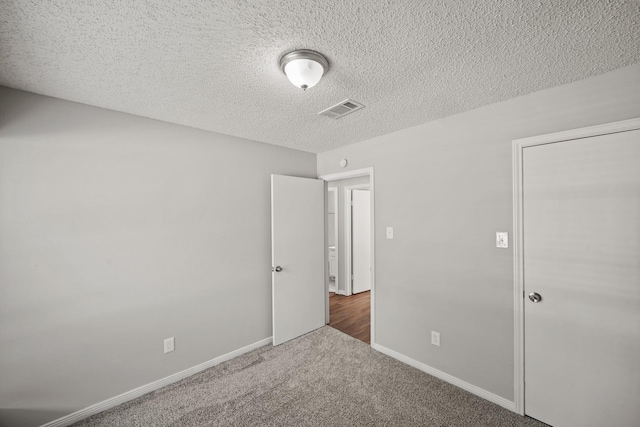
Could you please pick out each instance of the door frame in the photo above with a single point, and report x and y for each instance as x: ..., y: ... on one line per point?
x: 354, y: 174
x: 348, y: 227
x: 518, y: 235
x: 334, y: 196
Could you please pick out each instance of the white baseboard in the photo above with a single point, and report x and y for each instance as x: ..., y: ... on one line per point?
x: 339, y: 292
x: 487, y: 395
x: 137, y: 392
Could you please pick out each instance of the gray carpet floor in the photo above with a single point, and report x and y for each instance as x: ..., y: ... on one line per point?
x: 324, y: 378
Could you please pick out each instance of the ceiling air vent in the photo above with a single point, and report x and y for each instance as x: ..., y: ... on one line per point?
x: 342, y: 109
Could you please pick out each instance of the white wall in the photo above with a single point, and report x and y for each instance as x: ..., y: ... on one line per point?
x: 117, y: 232
x: 446, y: 188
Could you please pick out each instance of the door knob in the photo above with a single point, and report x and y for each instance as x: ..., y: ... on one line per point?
x: 278, y: 269
x: 535, y: 297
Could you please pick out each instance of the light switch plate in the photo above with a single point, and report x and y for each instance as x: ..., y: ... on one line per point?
x: 502, y: 239
x: 389, y: 232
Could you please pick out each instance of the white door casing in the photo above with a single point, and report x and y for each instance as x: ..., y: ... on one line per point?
x: 577, y: 240
x: 361, y: 240
x: 332, y: 232
x: 298, y: 248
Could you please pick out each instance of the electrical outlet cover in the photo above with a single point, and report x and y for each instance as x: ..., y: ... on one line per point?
x: 435, y: 338
x: 169, y: 345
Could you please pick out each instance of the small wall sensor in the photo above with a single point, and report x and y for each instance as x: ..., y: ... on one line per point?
x: 343, y: 163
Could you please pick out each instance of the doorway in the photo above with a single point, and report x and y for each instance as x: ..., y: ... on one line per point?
x: 349, y: 309
x: 577, y: 291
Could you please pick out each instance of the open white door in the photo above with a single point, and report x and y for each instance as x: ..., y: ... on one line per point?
x: 298, y: 256
x: 361, y: 240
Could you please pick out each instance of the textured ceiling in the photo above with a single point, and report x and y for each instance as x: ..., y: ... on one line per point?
x: 214, y: 64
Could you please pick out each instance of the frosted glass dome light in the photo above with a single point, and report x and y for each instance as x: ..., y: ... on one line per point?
x: 304, y: 73
x: 304, y: 68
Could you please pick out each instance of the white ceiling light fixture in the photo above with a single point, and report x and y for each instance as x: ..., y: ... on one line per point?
x: 304, y: 68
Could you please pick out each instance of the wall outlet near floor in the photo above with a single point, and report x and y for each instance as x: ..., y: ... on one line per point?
x: 169, y: 345
x: 435, y: 338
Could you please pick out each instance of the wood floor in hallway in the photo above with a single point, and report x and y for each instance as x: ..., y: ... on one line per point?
x: 351, y: 315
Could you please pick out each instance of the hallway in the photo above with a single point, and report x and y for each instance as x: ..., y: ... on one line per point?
x: 351, y: 315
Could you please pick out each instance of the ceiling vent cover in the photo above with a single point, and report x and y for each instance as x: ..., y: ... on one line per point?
x: 341, y: 109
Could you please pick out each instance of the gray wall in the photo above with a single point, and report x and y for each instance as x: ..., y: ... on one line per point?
x: 342, y: 250
x: 446, y: 188
x: 117, y: 232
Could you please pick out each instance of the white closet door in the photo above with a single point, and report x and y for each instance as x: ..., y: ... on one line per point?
x: 582, y: 257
